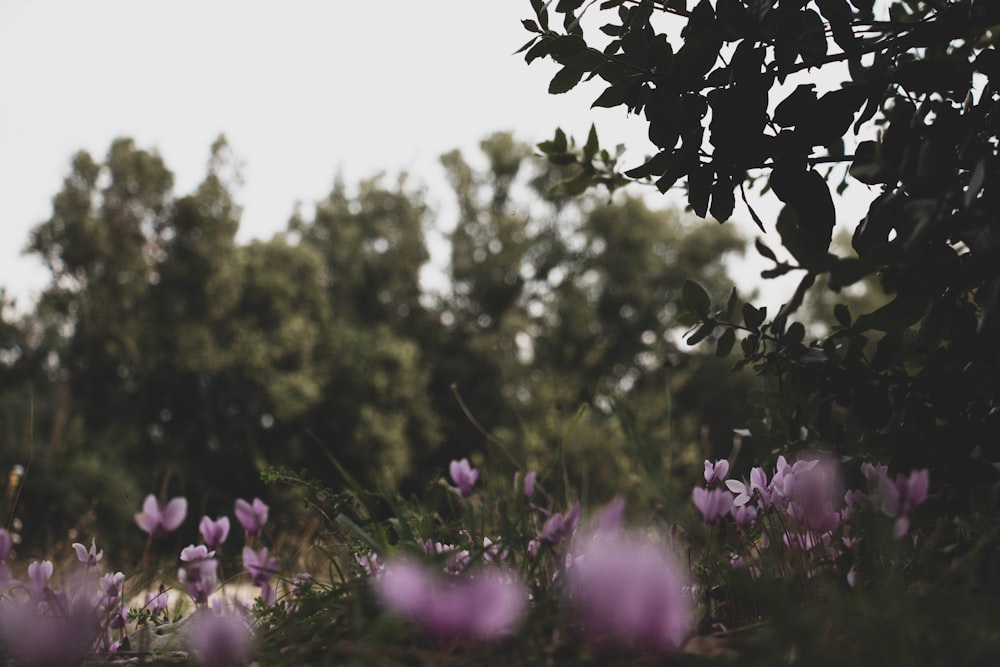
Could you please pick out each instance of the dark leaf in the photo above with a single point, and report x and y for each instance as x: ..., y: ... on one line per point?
x: 753, y: 317
x: 895, y: 316
x: 701, y: 333
x: 731, y: 304
x: 695, y: 298
x: 699, y: 189
x: 565, y: 80
x: 764, y: 250
x: 799, y: 103
x: 530, y: 25
x: 613, y: 95
x: 725, y: 343
x: 812, y: 37
x: 842, y: 315
x: 723, y: 199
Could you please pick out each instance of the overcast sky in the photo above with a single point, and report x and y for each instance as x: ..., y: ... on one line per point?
x: 303, y: 89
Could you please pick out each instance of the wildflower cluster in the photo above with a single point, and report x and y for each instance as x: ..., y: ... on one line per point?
x: 618, y: 586
x: 91, y: 612
x: 803, y: 512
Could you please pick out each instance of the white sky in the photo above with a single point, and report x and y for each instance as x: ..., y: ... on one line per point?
x: 303, y: 89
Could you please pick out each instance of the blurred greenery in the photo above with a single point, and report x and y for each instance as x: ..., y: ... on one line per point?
x: 165, y: 357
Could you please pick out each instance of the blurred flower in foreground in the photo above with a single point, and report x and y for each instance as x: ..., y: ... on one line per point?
x: 252, y: 516
x: 486, y: 604
x: 46, y: 640
x: 158, y: 522
x: 464, y: 476
x: 626, y: 588
x: 220, y: 640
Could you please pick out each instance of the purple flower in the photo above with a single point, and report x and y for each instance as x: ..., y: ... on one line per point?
x: 743, y: 515
x: 88, y: 557
x: 252, y: 516
x: 39, y: 573
x: 220, y: 640
x: 626, y: 588
x: 529, y: 483
x: 559, y: 527
x: 901, y: 497
x: 716, y: 472
x: 159, y: 522
x: 464, y: 476
x: 214, y: 533
x: 110, y: 589
x: 612, y: 517
x: 483, y: 605
x: 157, y: 602
x: 261, y: 568
x: 192, y: 553
x: 712, y: 503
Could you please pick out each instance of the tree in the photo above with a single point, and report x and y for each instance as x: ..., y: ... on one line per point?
x: 914, y: 119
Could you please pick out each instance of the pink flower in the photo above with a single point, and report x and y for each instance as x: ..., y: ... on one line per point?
x: 214, y: 533
x: 252, y: 516
x: 464, y: 476
x: 712, y: 503
x: 201, y: 574
x: 159, y: 522
x: 901, y: 497
x: 716, y: 472
x: 89, y: 557
x: 627, y: 588
x: 220, y: 640
x: 487, y: 604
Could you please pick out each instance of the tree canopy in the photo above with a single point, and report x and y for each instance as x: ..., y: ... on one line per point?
x: 807, y: 99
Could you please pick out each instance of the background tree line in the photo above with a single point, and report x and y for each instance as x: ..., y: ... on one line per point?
x: 164, y: 354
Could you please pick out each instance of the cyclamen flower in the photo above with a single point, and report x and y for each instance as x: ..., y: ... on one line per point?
x: 464, y: 476
x: 716, y: 472
x: 220, y: 640
x: 214, y: 533
x: 39, y: 572
x: 485, y: 605
x: 627, y: 589
x: 261, y: 568
x: 712, y: 503
x: 89, y: 557
x: 159, y: 522
x: 529, y: 483
x: 901, y: 497
x: 559, y: 527
x: 252, y: 516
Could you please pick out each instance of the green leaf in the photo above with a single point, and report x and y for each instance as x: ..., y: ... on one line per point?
x: 695, y: 298
x: 725, y: 343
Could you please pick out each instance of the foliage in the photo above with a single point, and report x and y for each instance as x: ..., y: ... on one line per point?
x: 734, y: 98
